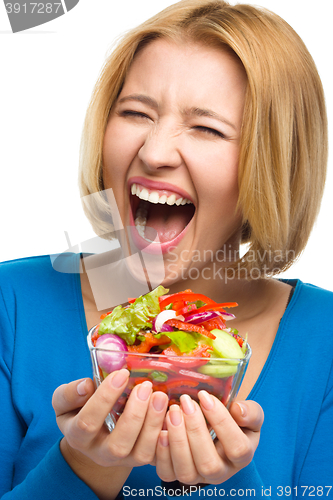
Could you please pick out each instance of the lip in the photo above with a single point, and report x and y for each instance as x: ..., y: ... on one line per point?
x: 158, y: 186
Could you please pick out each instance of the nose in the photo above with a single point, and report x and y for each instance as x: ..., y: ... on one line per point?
x: 161, y: 147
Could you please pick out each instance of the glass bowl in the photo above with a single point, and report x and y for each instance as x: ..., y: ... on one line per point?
x: 173, y: 375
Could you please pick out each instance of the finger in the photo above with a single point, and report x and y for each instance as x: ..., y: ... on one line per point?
x: 145, y: 446
x: 84, y: 427
x: 247, y: 414
x: 237, y: 446
x: 126, y: 432
x: 69, y: 397
x: 164, y: 467
x: 208, y: 463
x: 181, y: 455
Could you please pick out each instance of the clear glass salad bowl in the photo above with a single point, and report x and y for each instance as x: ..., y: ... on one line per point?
x: 170, y: 374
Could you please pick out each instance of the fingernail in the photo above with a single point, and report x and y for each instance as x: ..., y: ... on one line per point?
x: 164, y: 440
x: 120, y: 378
x: 242, y: 409
x: 206, y: 400
x: 187, y: 404
x: 144, y: 390
x: 159, y: 401
x: 175, y: 415
x: 81, y: 388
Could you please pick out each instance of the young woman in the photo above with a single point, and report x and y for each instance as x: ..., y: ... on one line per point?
x: 221, y: 106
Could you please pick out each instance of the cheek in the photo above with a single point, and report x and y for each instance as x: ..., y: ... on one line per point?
x: 217, y: 175
x: 119, y: 149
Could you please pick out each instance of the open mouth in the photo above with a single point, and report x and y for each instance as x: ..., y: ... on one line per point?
x: 159, y: 212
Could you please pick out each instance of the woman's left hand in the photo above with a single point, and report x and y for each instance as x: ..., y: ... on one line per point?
x: 186, y: 451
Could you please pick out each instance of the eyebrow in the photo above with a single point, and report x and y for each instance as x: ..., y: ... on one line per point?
x: 149, y: 101
x: 141, y: 98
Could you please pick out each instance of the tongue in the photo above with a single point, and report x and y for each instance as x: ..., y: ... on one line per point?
x: 167, y: 221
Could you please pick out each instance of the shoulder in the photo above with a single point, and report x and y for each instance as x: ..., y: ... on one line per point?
x: 306, y: 295
x: 37, y: 264
x: 26, y: 282
x: 308, y: 320
x: 28, y: 271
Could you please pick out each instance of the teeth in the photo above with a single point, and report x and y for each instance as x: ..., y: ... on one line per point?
x: 144, y: 195
x: 154, y: 197
x: 163, y: 199
x: 140, y: 230
x: 171, y: 200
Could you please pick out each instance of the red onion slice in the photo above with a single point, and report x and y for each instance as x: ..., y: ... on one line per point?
x: 110, y: 358
x: 195, y: 319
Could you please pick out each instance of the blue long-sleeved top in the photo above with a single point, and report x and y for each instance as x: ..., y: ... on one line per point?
x: 43, y: 344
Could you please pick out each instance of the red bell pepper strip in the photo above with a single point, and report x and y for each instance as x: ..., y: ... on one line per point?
x: 188, y: 327
x: 95, y: 337
x: 148, y: 343
x: 189, y: 308
x: 239, y: 340
x: 216, y: 307
x: 186, y: 296
x: 211, y: 324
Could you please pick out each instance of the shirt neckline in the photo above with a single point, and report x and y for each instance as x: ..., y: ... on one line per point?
x: 261, y: 379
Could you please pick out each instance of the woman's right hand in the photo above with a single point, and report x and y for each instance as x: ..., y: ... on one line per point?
x: 81, y: 411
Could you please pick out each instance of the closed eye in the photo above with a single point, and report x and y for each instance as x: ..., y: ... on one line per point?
x: 135, y: 114
x: 211, y: 131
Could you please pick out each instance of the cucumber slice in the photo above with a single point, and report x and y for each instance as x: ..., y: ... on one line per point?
x: 226, y: 346
x: 218, y: 371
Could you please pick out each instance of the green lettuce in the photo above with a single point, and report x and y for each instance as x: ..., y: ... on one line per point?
x: 127, y: 322
x: 185, y: 341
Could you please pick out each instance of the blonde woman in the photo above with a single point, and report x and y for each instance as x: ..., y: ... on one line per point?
x: 222, y: 106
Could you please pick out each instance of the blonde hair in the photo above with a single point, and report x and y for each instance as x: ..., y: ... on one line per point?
x: 283, y: 154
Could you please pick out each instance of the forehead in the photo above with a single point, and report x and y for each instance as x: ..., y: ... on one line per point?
x: 189, y: 68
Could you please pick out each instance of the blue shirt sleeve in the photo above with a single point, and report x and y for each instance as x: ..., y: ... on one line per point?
x: 29, y: 434
x: 52, y: 479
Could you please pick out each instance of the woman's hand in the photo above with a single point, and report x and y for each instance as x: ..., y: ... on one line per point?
x: 88, y: 444
x: 186, y: 451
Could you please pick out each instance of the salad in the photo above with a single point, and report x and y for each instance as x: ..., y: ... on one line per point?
x: 179, y: 342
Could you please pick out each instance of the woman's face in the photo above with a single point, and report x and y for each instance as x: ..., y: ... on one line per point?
x: 173, y: 137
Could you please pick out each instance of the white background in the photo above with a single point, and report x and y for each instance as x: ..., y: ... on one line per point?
x: 47, y: 75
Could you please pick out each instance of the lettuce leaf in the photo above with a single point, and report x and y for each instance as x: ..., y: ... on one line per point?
x: 185, y: 341
x: 128, y: 321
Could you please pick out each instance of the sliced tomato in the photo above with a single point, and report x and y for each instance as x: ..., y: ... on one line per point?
x: 188, y: 327
x: 180, y: 382
x: 186, y: 360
